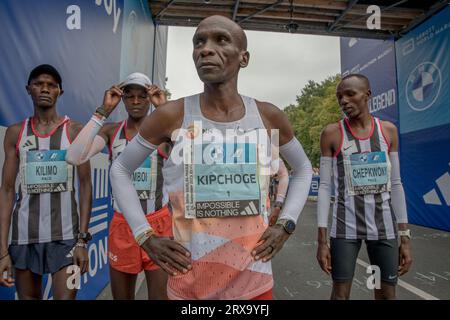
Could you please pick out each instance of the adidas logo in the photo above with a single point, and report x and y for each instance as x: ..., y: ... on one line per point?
x: 250, y: 210
x: 60, y: 188
x: 30, y: 143
x: 143, y: 195
x: 443, y: 185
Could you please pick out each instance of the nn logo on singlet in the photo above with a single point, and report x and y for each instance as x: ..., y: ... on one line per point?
x: 443, y: 186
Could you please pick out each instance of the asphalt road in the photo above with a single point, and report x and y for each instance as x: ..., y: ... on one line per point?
x: 298, y: 276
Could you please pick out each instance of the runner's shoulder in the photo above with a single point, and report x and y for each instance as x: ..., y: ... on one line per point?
x: 271, y: 113
x: 13, y: 131
x: 169, y: 115
x: 331, y: 130
x: 388, y: 126
x: 110, y: 128
x: 173, y: 108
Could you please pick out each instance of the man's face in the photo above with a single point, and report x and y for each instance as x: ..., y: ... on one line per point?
x: 136, y: 100
x: 218, y: 54
x: 352, y: 95
x: 44, y: 91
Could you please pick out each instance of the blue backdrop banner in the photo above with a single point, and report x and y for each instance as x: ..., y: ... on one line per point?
x: 424, y: 74
x: 93, y: 44
x: 423, y: 66
x: 425, y: 166
x: 376, y: 60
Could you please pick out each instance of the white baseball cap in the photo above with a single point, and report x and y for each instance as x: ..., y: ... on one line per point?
x: 137, y: 78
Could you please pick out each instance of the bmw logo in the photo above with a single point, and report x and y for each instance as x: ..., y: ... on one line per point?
x: 423, y: 86
x: 39, y: 156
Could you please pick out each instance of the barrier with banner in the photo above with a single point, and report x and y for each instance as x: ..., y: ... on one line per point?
x: 93, y: 44
x: 423, y: 66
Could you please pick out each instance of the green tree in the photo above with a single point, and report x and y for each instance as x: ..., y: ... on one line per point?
x: 316, y: 107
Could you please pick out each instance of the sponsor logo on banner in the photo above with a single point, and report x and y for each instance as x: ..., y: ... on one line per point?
x: 408, y: 47
x: 423, y: 86
x: 443, y: 186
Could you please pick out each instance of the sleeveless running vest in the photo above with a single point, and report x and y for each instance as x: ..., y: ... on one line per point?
x: 46, y: 209
x: 218, y: 190
x: 147, y: 179
x: 361, y: 171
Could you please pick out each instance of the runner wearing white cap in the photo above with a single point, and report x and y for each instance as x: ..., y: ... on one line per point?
x: 126, y: 258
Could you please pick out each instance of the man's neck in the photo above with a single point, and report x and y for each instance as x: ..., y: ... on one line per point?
x: 46, y: 116
x: 223, y: 98
x: 363, y: 121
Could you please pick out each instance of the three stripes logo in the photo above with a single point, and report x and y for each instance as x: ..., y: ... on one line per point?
x: 60, y: 188
x: 250, y: 210
x: 143, y: 195
x: 443, y: 187
x: 30, y: 143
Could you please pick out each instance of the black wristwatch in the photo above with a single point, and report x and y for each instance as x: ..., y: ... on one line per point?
x: 278, y: 204
x: 85, y: 236
x: 288, y: 225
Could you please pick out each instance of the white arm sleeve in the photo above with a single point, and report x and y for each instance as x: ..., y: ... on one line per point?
x: 122, y: 186
x: 397, y: 193
x: 300, y: 182
x: 323, y: 202
x: 87, y: 143
x: 283, y: 177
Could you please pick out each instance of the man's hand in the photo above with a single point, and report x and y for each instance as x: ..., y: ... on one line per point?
x: 81, y: 259
x: 404, y: 257
x: 270, y: 243
x: 274, y: 216
x: 157, y: 96
x: 6, y: 278
x: 112, y: 97
x: 167, y: 253
x: 324, y: 257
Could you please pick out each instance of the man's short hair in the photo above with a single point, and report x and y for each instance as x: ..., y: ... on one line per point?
x: 45, y: 69
x: 359, y: 76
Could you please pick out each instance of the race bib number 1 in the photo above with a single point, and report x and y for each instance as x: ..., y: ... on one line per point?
x: 222, y: 181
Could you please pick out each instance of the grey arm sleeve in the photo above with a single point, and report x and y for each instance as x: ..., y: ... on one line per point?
x: 300, y: 182
x: 122, y: 186
x: 323, y: 202
x: 397, y: 193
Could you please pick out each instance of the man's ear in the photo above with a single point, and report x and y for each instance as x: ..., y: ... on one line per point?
x: 61, y: 91
x: 368, y: 94
x: 245, y: 58
x: 28, y: 88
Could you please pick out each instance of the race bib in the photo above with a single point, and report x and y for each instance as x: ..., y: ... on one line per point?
x: 47, y: 171
x: 144, y: 178
x: 367, y: 173
x: 221, y: 180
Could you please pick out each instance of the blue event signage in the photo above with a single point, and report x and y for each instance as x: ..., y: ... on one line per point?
x: 93, y: 44
x: 376, y: 60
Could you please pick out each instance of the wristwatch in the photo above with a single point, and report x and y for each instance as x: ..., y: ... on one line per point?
x: 85, y: 236
x: 404, y: 233
x: 101, y: 111
x: 278, y: 204
x: 288, y: 225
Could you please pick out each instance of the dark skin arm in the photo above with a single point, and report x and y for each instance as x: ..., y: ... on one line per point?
x: 273, y: 239
x: 80, y: 255
x: 330, y: 140
x: 7, y: 197
x: 405, y: 256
